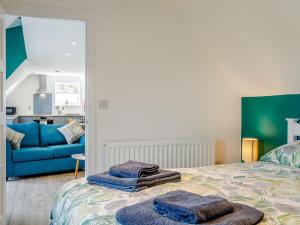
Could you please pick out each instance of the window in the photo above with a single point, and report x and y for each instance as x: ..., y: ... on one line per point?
x: 67, y: 94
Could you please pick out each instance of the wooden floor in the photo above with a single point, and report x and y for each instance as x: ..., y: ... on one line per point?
x: 29, y: 200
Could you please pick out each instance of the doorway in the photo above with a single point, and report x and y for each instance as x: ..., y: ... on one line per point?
x: 88, y: 18
x: 52, y: 93
x: 45, y: 99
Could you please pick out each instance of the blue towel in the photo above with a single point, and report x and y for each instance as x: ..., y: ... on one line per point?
x: 144, y: 214
x: 187, y: 207
x: 118, y: 187
x: 134, y: 184
x: 133, y: 169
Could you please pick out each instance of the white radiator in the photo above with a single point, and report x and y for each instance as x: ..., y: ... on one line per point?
x: 167, y: 154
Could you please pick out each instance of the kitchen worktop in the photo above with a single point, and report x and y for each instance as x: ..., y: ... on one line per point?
x: 56, y: 119
x: 50, y: 115
x: 11, y: 117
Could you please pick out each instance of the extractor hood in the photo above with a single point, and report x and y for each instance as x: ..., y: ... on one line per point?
x: 42, y: 85
x: 42, y: 99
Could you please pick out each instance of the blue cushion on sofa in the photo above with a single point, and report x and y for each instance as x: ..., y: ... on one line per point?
x: 32, y: 154
x: 31, y: 131
x: 66, y: 150
x: 49, y: 135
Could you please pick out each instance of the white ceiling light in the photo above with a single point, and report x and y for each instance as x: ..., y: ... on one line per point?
x: 74, y: 43
x: 67, y: 54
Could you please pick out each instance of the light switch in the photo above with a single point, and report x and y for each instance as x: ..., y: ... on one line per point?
x: 103, y: 104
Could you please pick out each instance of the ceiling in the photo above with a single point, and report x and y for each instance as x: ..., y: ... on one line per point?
x: 54, y: 46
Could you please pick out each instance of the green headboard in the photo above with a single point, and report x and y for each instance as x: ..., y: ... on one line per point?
x: 265, y: 118
x: 15, y: 47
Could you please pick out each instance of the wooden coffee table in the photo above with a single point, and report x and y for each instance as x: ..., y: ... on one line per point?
x: 78, y: 158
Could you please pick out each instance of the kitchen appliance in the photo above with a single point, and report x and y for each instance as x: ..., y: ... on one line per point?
x: 42, y: 85
x: 42, y: 99
x: 11, y: 110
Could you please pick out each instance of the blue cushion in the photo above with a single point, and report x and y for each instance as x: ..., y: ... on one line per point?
x: 66, y: 150
x: 32, y: 154
x: 31, y: 131
x: 82, y: 140
x: 49, y: 135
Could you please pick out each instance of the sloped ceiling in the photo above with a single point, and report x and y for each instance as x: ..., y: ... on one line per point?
x: 53, y: 45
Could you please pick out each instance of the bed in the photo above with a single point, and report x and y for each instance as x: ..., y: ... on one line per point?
x: 272, y: 186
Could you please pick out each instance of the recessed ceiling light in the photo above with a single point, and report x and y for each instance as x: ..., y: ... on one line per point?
x: 74, y: 43
x: 67, y: 54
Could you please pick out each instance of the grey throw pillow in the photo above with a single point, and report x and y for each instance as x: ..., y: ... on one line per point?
x: 72, y: 131
x: 14, y: 137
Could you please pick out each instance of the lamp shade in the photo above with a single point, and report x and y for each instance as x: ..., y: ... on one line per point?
x: 250, y: 149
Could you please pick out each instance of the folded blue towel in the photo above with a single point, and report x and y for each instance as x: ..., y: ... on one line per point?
x: 133, y: 169
x: 144, y: 214
x: 187, y: 207
x: 118, y: 187
x: 134, y: 184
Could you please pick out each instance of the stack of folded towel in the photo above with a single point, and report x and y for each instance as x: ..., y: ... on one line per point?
x: 133, y: 169
x: 181, y: 207
x: 134, y: 176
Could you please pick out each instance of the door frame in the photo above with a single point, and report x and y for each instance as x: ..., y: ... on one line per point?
x: 2, y: 122
x: 42, y: 11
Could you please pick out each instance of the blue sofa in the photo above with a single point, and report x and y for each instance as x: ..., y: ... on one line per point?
x: 43, y: 150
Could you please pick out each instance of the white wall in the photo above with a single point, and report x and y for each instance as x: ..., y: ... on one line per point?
x: 178, y: 68
x: 22, y: 96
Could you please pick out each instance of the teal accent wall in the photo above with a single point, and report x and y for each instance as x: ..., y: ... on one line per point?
x: 15, y: 47
x: 264, y: 118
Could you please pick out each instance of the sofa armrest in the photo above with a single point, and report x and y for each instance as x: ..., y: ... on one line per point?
x: 8, y: 159
x: 82, y: 140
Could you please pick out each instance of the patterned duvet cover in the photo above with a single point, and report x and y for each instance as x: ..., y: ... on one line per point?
x: 271, y: 188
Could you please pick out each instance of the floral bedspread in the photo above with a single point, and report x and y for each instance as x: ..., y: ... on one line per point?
x: 271, y: 188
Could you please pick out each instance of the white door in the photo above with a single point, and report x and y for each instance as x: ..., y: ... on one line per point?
x: 2, y: 121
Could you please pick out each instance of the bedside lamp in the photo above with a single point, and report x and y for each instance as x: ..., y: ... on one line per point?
x: 249, y: 149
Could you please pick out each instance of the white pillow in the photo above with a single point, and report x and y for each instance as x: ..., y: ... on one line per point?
x: 14, y: 137
x: 72, y: 131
